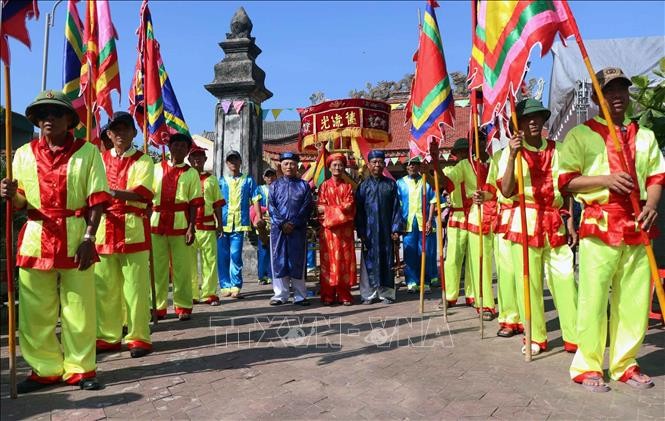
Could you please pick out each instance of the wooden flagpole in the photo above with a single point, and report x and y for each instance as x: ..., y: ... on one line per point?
x: 439, y: 232
x: 474, y: 120
x: 9, y: 241
x: 423, y: 254
x: 634, y: 198
x: 525, y: 243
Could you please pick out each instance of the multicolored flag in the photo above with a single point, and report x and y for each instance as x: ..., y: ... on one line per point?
x: 505, y: 34
x: 151, y: 85
x: 100, y: 71
x: 14, y: 15
x: 73, y: 60
x: 431, y: 103
x: 318, y: 173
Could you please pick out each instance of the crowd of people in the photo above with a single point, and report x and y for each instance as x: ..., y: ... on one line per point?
x: 99, y: 223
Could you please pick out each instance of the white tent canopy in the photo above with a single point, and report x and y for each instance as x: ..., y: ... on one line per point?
x: 635, y: 56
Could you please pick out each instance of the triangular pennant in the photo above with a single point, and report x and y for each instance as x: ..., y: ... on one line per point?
x: 226, y: 105
x: 237, y: 105
x: 387, y: 161
x: 402, y: 159
x: 276, y: 112
x: 258, y: 110
x: 394, y: 160
x: 264, y: 114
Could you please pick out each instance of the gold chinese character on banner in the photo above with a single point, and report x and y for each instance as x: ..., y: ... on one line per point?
x: 337, y: 121
x: 350, y: 118
x: 325, y: 123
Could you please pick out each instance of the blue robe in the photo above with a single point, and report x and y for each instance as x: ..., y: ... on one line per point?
x: 289, y: 200
x: 378, y: 215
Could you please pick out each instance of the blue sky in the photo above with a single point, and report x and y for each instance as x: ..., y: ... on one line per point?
x: 307, y: 46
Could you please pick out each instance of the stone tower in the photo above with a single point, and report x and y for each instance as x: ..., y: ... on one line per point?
x: 239, y: 80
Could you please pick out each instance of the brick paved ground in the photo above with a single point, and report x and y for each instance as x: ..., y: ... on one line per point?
x: 247, y: 360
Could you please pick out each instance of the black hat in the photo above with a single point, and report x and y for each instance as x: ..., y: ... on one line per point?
x: 120, y: 117
x: 461, y: 144
x: 233, y: 154
x: 289, y: 155
x: 181, y: 137
x: 268, y: 172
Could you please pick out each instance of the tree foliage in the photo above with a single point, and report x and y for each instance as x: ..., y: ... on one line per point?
x: 648, y: 105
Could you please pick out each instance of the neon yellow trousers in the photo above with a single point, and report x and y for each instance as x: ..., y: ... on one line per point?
x: 172, y: 249
x: 473, y: 262
x: 556, y: 265
x: 456, y: 248
x: 624, y: 269
x: 40, y: 305
x: 206, y: 247
x: 509, y: 315
x: 122, y: 281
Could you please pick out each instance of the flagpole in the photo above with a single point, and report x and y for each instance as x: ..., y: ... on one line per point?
x: 439, y: 231
x: 634, y: 199
x: 474, y: 119
x: 423, y: 254
x: 9, y: 241
x: 525, y: 244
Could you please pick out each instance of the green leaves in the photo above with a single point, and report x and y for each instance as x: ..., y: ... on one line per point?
x: 648, y: 106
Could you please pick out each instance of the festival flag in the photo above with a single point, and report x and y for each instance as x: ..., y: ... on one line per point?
x: 14, y: 15
x: 506, y: 32
x: 100, y: 71
x: 318, y: 173
x: 73, y: 60
x: 431, y: 103
x: 151, y: 85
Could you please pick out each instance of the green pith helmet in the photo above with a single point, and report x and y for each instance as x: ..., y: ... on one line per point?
x: 53, y: 98
x: 461, y: 144
x: 531, y: 106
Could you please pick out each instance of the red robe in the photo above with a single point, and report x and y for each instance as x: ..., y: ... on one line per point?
x: 337, y: 245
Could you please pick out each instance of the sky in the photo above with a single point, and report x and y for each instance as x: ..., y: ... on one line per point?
x: 307, y: 46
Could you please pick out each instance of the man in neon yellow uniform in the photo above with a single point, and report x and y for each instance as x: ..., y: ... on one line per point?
x: 549, y: 253
x: 177, y: 196
x: 612, y: 252
x: 208, y: 226
x: 457, y: 234
x: 509, y: 316
x: 485, y: 199
x: 60, y: 181
x: 123, y: 243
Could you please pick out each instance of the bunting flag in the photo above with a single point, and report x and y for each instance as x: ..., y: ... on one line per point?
x: 100, y: 71
x: 237, y: 105
x: 431, y: 103
x: 226, y: 105
x: 276, y: 112
x: 73, y: 60
x: 264, y: 114
x: 14, y: 15
x: 506, y: 32
x: 151, y: 88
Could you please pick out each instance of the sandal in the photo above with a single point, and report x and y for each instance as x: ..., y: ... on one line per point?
x: 505, y: 332
x: 488, y: 316
x: 637, y: 384
x: 598, y: 385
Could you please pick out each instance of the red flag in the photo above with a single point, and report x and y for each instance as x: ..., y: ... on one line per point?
x: 14, y: 15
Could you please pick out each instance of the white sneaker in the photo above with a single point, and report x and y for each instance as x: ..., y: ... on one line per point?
x: 535, y: 349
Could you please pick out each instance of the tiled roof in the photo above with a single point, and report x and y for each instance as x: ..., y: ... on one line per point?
x: 273, y: 130
x: 287, y: 133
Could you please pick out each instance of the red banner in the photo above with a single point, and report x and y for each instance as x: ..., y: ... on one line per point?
x: 344, y: 118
